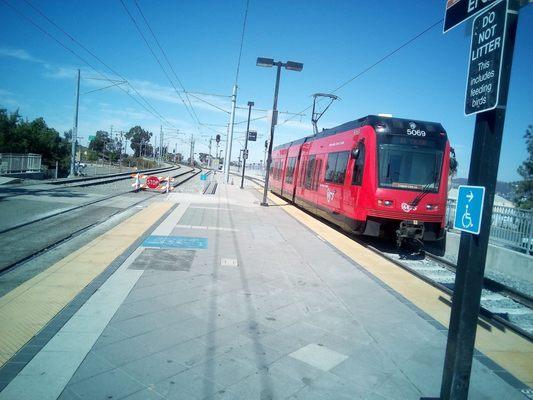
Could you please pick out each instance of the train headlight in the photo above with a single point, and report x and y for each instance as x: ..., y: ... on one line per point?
x: 386, y: 203
x: 432, y: 207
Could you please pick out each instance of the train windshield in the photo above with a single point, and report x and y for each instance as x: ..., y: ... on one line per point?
x: 409, y: 166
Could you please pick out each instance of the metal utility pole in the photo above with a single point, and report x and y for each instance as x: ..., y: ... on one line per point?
x: 210, y: 142
x: 108, y: 145
x: 161, y: 141
x: 245, y: 155
x: 483, y: 173
x: 74, y: 136
x: 273, y: 122
x: 229, y: 142
x: 192, y: 151
x: 120, y: 152
x: 265, y: 155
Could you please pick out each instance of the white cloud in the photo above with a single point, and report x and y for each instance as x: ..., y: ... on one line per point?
x: 19, y: 54
x: 9, y: 99
x: 148, y: 89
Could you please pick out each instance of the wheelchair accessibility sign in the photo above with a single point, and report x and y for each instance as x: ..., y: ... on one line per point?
x: 469, y: 209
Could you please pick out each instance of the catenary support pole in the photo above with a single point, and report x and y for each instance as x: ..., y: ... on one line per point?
x: 160, y: 155
x: 229, y: 143
x: 272, y: 127
x: 74, y: 136
x: 473, y: 248
x: 245, y: 155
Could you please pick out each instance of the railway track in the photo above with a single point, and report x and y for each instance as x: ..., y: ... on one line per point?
x: 501, y: 305
x: 9, y: 192
x: 12, y: 262
x: 64, y: 211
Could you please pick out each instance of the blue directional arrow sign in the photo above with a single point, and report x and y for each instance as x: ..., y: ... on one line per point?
x: 469, y: 209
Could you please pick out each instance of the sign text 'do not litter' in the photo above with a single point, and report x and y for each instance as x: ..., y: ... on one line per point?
x: 485, y: 60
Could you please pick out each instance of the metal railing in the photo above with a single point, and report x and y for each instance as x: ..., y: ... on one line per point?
x: 510, y: 227
x: 19, y: 163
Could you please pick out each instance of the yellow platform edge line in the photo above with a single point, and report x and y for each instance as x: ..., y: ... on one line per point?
x: 506, y: 348
x: 25, y: 310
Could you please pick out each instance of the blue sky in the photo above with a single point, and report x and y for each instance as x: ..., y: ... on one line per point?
x: 334, y: 39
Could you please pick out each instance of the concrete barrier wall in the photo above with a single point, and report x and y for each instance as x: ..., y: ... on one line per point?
x: 500, y: 260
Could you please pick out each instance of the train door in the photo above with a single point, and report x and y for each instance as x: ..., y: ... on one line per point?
x: 334, y: 178
x: 355, y: 179
x: 288, y: 180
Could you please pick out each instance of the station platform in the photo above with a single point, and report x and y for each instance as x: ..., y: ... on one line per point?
x: 215, y: 297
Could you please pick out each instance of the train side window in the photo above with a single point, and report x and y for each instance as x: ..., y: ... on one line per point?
x: 316, y: 176
x: 309, y: 172
x: 357, y: 177
x: 340, y: 167
x: 330, y: 167
x: 301, y: 175
x: 290, y: 170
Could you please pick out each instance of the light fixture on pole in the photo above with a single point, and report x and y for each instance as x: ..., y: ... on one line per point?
x: 291, y: 66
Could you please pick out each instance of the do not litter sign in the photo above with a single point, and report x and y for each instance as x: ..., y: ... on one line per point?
x: 486, y: 54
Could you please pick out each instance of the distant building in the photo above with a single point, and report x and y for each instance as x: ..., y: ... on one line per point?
x: 498, y: 200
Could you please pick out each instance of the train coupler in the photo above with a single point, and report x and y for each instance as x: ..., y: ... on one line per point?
x: 410, y: 232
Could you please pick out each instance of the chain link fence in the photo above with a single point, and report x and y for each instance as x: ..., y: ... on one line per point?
x: 19, y: 163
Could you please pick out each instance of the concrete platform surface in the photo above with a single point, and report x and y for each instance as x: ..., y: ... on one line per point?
x: 230, y: 300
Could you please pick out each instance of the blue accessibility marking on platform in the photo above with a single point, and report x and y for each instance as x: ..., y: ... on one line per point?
x: 175, y: 242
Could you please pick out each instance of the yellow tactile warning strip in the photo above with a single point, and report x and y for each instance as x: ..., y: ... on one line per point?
x: 28, y: 308
x: 509, y: 350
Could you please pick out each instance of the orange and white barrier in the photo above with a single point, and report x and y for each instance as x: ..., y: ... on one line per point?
x: 153, y: 182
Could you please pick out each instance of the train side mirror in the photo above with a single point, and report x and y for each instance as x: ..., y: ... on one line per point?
x: 355, y: 153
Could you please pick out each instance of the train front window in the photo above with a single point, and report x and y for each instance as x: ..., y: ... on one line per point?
x: 409, y: 167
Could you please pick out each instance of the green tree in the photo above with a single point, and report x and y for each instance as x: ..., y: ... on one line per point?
x: 524, y: 189
x: 140, y: 141
x: 100, y: 141
x: 19, y: 136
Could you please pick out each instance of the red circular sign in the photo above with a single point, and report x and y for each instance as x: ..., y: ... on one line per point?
x: 152, y: 182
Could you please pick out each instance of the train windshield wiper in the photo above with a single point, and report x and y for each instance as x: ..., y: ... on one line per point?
x: 425, y: 190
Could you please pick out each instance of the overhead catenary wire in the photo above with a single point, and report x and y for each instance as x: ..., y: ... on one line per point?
x: 147, y: 106
x: 251, y: 120
x: 187, y: 94
x: 385, y: 57
x: 192, y: 112
x: 155, y: 56
x: 105, y: 87
x: 242, y: 41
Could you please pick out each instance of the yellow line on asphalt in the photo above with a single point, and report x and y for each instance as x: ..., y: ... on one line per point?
x: 25, y: 310
x: 509, y: 350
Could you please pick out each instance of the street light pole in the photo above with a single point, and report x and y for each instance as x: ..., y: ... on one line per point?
x: 230, y: 134
x: 273, y: 121
x: 245, y: 155
x: 291, y: 66
x: 74, y: 136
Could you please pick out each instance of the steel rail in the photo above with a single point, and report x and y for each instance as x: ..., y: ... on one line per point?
x: 98, y: 180
x: 64, y: 211
x: 193, y: 172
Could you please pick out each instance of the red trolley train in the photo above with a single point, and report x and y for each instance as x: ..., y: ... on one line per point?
x: 375, y: 176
